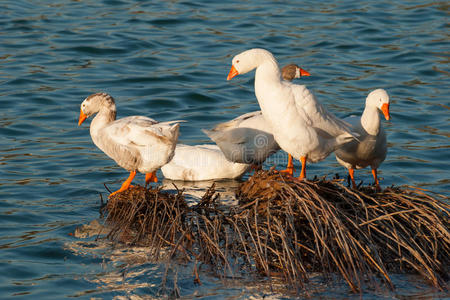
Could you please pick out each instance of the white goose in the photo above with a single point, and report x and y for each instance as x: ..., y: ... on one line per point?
x: 135, y: 143
x: 372, y: 148
x: 201, y: 162
x: 248, y: 138
x: 300, y: 124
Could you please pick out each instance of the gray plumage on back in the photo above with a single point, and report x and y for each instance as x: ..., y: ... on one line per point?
x: 244, y: 145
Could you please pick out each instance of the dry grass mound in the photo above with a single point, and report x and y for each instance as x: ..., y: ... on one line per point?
x: 303, y: 226
x: 139, y: 215
x: 286, y: 228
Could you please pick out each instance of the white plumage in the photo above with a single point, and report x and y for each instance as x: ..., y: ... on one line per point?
x: 371, y: 149
x: 248, y: 138
x: 135, y: 143
x: 300, y: 124
x: 201, y: 162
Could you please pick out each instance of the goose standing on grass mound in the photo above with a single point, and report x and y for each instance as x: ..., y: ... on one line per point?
x: 135, y: 143
x: 372, y: 148
x: 248, y: 138
x: 201, y: 162
x: 300, y: 124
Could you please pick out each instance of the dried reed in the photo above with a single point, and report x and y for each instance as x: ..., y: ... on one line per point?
x: 286, y: 228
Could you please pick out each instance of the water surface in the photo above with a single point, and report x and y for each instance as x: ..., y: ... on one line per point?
x: 169, y: 60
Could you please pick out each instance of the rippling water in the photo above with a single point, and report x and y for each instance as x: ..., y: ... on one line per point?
x: 169, y: 60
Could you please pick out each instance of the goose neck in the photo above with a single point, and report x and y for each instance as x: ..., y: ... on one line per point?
x: 103, y: 118
x: 370, y: 120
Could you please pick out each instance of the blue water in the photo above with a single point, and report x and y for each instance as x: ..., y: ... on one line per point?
x: 169, y: 60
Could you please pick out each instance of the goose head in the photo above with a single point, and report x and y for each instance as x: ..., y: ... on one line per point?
x: 292, y: 71
x: 248, y: 60
x: 380, y: 99
x: 95, y: 103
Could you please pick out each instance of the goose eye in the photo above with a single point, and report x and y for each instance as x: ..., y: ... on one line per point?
x: 237, y: 61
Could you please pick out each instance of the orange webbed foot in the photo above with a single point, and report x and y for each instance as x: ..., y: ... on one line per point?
x: 300, y: 178
x: 119, y: 190
x: 125, y: 185
x: 150, y: 177
x: 303, y: 171
x: 288, y: 171
x: 289, y: 167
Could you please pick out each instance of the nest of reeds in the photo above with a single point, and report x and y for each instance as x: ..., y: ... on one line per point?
x: 287, y: 229
x: 148, y: 216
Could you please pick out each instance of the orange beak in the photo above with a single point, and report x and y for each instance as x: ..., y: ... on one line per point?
x: 385, y: 110
x: 304, y: 72
x: 82, y: 117
x: 233, y: 72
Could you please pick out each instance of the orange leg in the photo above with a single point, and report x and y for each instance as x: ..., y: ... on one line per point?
x: 290, y: 166
x: 351, y: 172
x: 303, y: 172
x: 377, y: 184
x: 126, y: 184
x: 150, y: 177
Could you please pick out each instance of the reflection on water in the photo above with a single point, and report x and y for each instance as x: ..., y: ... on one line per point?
x: 194, y: 190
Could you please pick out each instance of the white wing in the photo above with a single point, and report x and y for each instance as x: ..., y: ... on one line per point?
x: 317, y: 115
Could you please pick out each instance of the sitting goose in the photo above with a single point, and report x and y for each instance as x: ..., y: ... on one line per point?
x: 201, y: 162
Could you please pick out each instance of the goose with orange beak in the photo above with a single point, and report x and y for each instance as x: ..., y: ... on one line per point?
x: 371, y: 149
x: 248, y: 138
x: 300, y: 124
x: 135, y: 143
